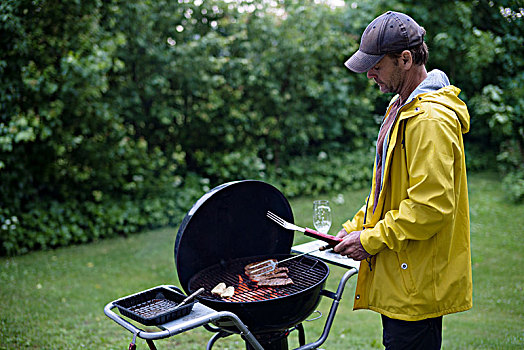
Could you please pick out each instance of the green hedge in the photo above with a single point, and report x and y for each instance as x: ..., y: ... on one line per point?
x: 115, y: 116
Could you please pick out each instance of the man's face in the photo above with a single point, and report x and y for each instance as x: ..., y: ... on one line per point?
x: 387, y: 74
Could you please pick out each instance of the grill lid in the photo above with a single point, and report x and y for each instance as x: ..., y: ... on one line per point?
x: 229, y: 222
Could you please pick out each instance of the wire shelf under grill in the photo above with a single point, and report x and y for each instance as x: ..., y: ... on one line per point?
x: 153, y: 307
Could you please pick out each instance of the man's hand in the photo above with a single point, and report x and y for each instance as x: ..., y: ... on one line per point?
x: 351, y: 246
x: 342, y: 233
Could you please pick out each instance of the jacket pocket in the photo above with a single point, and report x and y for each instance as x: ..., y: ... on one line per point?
x: 405, y: 268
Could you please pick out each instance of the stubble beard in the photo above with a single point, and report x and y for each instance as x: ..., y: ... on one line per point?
x: 394, y: 85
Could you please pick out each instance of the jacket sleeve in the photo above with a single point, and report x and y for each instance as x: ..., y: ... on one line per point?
x: 357, y: 222
x: 432, y: 147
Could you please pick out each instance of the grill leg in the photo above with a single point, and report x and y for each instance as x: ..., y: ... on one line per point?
x: 151, y: 345
x: 271, y: 341
x: 215, y: 338
x: 301, y: 334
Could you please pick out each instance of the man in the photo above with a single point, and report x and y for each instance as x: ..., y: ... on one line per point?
x: 413, y: 230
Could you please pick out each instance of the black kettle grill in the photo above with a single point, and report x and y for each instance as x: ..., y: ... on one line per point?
x: 225, y: 230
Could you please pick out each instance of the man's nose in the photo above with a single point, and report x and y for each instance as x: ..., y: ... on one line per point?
x: 370, y: 74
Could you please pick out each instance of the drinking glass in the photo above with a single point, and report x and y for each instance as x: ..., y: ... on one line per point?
x: 321, y: 215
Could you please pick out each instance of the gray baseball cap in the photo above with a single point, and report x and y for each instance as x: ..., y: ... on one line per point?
x: 389, y: 32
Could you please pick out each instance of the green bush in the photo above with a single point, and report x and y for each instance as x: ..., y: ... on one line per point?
x: 324, y: 173
x: 514, y: 185
x: 115, y: 116
x: 504, y: 115
x: 50, y: 224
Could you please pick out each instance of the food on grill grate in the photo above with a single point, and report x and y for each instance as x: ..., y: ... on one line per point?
x: 264, y: 273
x: 269, y: 276
x: 228, y: 293
x: 219, y: 289
x: 275, y: 282
x: 223, y: 292
x: 279, y: 272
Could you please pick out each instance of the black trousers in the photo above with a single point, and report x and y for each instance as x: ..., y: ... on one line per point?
x: 412, y: 335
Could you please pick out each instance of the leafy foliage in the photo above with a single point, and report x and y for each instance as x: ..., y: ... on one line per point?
x: 115, y: 115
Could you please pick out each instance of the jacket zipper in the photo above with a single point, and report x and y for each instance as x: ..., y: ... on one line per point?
x: 368, y: 259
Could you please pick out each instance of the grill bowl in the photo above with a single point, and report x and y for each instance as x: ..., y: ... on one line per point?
x: 290, y: 305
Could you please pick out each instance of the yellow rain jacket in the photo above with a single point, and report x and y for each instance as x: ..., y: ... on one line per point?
x: 419, y: 232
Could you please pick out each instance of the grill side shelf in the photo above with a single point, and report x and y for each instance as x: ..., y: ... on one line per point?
x: 326, y: 256
x: 200, y: 315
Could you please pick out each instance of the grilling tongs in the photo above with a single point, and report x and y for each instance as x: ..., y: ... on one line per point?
x: 267, y: 266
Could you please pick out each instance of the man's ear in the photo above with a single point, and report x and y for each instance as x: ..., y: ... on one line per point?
x: 406, y: 60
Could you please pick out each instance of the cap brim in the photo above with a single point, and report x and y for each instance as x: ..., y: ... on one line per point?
x: 361, y: 62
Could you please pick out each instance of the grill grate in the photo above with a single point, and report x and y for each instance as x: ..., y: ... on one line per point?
x: 305, y: 272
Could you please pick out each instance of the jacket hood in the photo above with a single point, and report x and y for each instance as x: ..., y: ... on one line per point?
x: 435, y: 80
x: 436, y: 88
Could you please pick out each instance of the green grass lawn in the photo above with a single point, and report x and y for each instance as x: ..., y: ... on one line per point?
x: 55, y: 299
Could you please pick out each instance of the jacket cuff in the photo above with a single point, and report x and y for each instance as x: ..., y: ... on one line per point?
x: 369, y: 243
x: 348, y: 226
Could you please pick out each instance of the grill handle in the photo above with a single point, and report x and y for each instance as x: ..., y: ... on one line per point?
x: 315, y: 318
x: 327, y: 293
